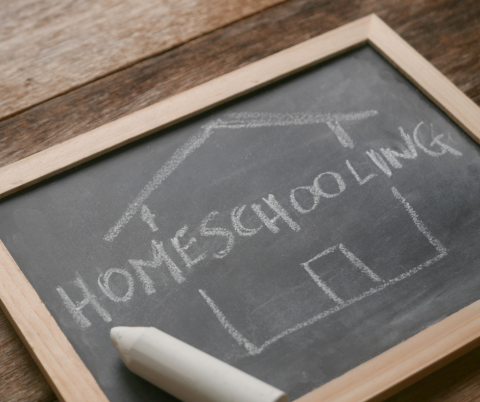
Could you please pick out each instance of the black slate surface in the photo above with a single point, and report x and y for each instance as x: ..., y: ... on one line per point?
x: 400, y: 251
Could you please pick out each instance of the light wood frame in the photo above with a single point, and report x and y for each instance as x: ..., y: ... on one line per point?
x: 374, y: 380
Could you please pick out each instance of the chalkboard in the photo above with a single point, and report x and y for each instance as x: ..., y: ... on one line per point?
x: 294, y: 233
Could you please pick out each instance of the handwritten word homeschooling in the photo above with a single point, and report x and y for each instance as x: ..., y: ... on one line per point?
x: 236, y: 121
x: 177, y: 254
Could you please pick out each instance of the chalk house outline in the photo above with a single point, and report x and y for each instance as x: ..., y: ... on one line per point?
x: 236, y: 121
x: 253, y: 349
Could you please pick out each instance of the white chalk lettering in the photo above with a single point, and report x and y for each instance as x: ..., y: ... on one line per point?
x: 237, y: 224
x: 144, y: 278
x: 316, y: 192
x: 380, y: 162
x: 280, y: 213
x: 205, y: 231
x: 236, y: 121
x: 444, y: 148
x: 408, y: 153
x: 159, y: 256
x: 339, y: 180
x: 312, y: 190
x: 75, y: 309
x: 181, y: 249
x: 149, y: 218
x: 104, y: 283
x: 357, y: 176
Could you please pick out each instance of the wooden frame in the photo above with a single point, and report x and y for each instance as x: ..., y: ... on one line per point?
x: 376, y: 379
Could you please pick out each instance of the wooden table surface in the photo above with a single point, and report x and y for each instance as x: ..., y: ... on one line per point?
x: 68, y: 67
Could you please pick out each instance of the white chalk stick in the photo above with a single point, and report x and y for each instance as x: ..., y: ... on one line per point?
x: 186, y: 372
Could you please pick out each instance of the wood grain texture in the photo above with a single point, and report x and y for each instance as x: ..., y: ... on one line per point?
x: 49, y: 47
x: 47, y: 344
x: 405, y: 363
x: 432, y: 82
x: 457, y: 382
x: 191, y: 102
x: 446, y: 32
x: 21, y: 381
x: 441, y: 30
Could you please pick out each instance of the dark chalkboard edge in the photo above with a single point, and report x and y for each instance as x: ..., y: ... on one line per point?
x: 406, y: 363
x: 49, y: 347
x: 177, y: 108
x: 458, y: 106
